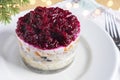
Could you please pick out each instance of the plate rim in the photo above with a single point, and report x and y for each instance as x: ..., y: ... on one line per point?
x: 113, y: 47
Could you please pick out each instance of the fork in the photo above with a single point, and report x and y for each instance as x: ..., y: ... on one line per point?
x: 111, y: 28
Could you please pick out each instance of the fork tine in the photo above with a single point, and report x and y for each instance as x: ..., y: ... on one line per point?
x: 112, y: 26
x: 115, y: 27
x: 109, y: 24
x: 106, y: 23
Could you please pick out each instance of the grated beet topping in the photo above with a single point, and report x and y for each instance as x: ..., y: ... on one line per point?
x: 48, y: 28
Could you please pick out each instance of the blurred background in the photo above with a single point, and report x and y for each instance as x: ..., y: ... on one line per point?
x: 114, y: 4
x: 12, y: 7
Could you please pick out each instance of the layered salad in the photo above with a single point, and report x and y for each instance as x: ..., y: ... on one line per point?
x: 48, y: 38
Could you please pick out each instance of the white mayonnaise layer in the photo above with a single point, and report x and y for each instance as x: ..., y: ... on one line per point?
x: 47, y: 59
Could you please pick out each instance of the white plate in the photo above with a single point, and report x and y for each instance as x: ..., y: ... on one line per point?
x: 95, y: 60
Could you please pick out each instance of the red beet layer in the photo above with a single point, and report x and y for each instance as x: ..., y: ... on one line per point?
x: 48, y: 28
